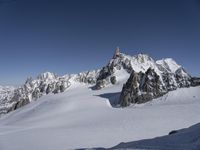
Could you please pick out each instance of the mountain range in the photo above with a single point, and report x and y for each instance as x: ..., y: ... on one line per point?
x: 130, y: 99
x: 147, y: 79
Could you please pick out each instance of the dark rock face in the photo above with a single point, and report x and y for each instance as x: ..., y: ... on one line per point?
x: 130, y: 90
x: 150, y: 82
x: 113, y: 80
x: 50, y: 88
x: 104, y: 73
x: 117, y: 53
x: 21, y: 103
x: 195, y: 81
x: 100, y: 84
x: 169, y: 81
x: 181, y: 79
x: 173, y: 132
x: 106, y: 76
x: 141, y: 87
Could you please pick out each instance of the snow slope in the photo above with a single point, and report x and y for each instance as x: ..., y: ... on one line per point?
x: 169, y: 64
x: 81, y: 117
x: 185, y: 139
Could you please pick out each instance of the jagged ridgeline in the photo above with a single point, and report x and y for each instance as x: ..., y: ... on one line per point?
x: 145, y: 86
x: 148, y: 79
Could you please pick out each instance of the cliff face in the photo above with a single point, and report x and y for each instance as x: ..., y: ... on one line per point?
x: 143, y: 87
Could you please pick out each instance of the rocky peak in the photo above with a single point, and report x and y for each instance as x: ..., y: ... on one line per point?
x: 142, y: 58
x: 117, y: 52
x: 182, y: 72
x: 169, y: 71
x: 141, y: 87
x: 169, y: 64
x: 46, y: 76
x: 6, y: 91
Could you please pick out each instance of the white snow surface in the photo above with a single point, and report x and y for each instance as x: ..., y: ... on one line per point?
x: 169, y: 64
x: 81, y: 117
x: 184, y: 139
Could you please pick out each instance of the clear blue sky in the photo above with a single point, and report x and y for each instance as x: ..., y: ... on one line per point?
x: 65, y: 36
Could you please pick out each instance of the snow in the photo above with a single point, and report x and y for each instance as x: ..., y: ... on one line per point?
x: 121, y: 75
x: 48, y: 82
x: 81, y: 117
x: 5, y: 91
x: 47, y: 76
x: 142, y: 62
x: 185, y: 139
x: 169, y: 64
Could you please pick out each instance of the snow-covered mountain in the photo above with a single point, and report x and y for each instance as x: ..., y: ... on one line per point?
x: 119, y: 68
x: 44, y: 84
x: 167, y: 69
x: 142, y: 87
x: 6, y: 93
x: 83, y: 118
x: 169, y: 64
x: 81, y: 110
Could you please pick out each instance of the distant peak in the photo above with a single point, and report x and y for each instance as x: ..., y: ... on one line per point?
x: 169, y: 64
x: 167, y: 60
x: 116, y: 53
x: 46, y: 75
x: 143, y: 57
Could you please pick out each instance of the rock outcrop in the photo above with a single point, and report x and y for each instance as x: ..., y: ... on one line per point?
x: 195, y: 81
x: 143, y: 87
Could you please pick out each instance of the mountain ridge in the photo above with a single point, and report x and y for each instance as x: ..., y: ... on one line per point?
x: 47, y: 82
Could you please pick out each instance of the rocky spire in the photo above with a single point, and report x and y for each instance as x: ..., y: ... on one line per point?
x: 117, y: 52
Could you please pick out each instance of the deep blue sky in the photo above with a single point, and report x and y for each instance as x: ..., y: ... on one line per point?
x: 64, y: 36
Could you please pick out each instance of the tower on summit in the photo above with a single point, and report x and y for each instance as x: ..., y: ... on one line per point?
x: 117, y: 52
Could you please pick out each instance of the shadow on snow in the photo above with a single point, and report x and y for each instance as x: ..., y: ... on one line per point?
x: 112, y: 97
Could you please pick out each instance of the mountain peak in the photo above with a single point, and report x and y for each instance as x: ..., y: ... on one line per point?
x: 169, y: 64
x: 116, y: 53
x: 47, y: 75
x: 143, y: 57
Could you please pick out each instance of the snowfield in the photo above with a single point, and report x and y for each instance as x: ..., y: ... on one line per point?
x: 81, y: 117
x: 185, y: 139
